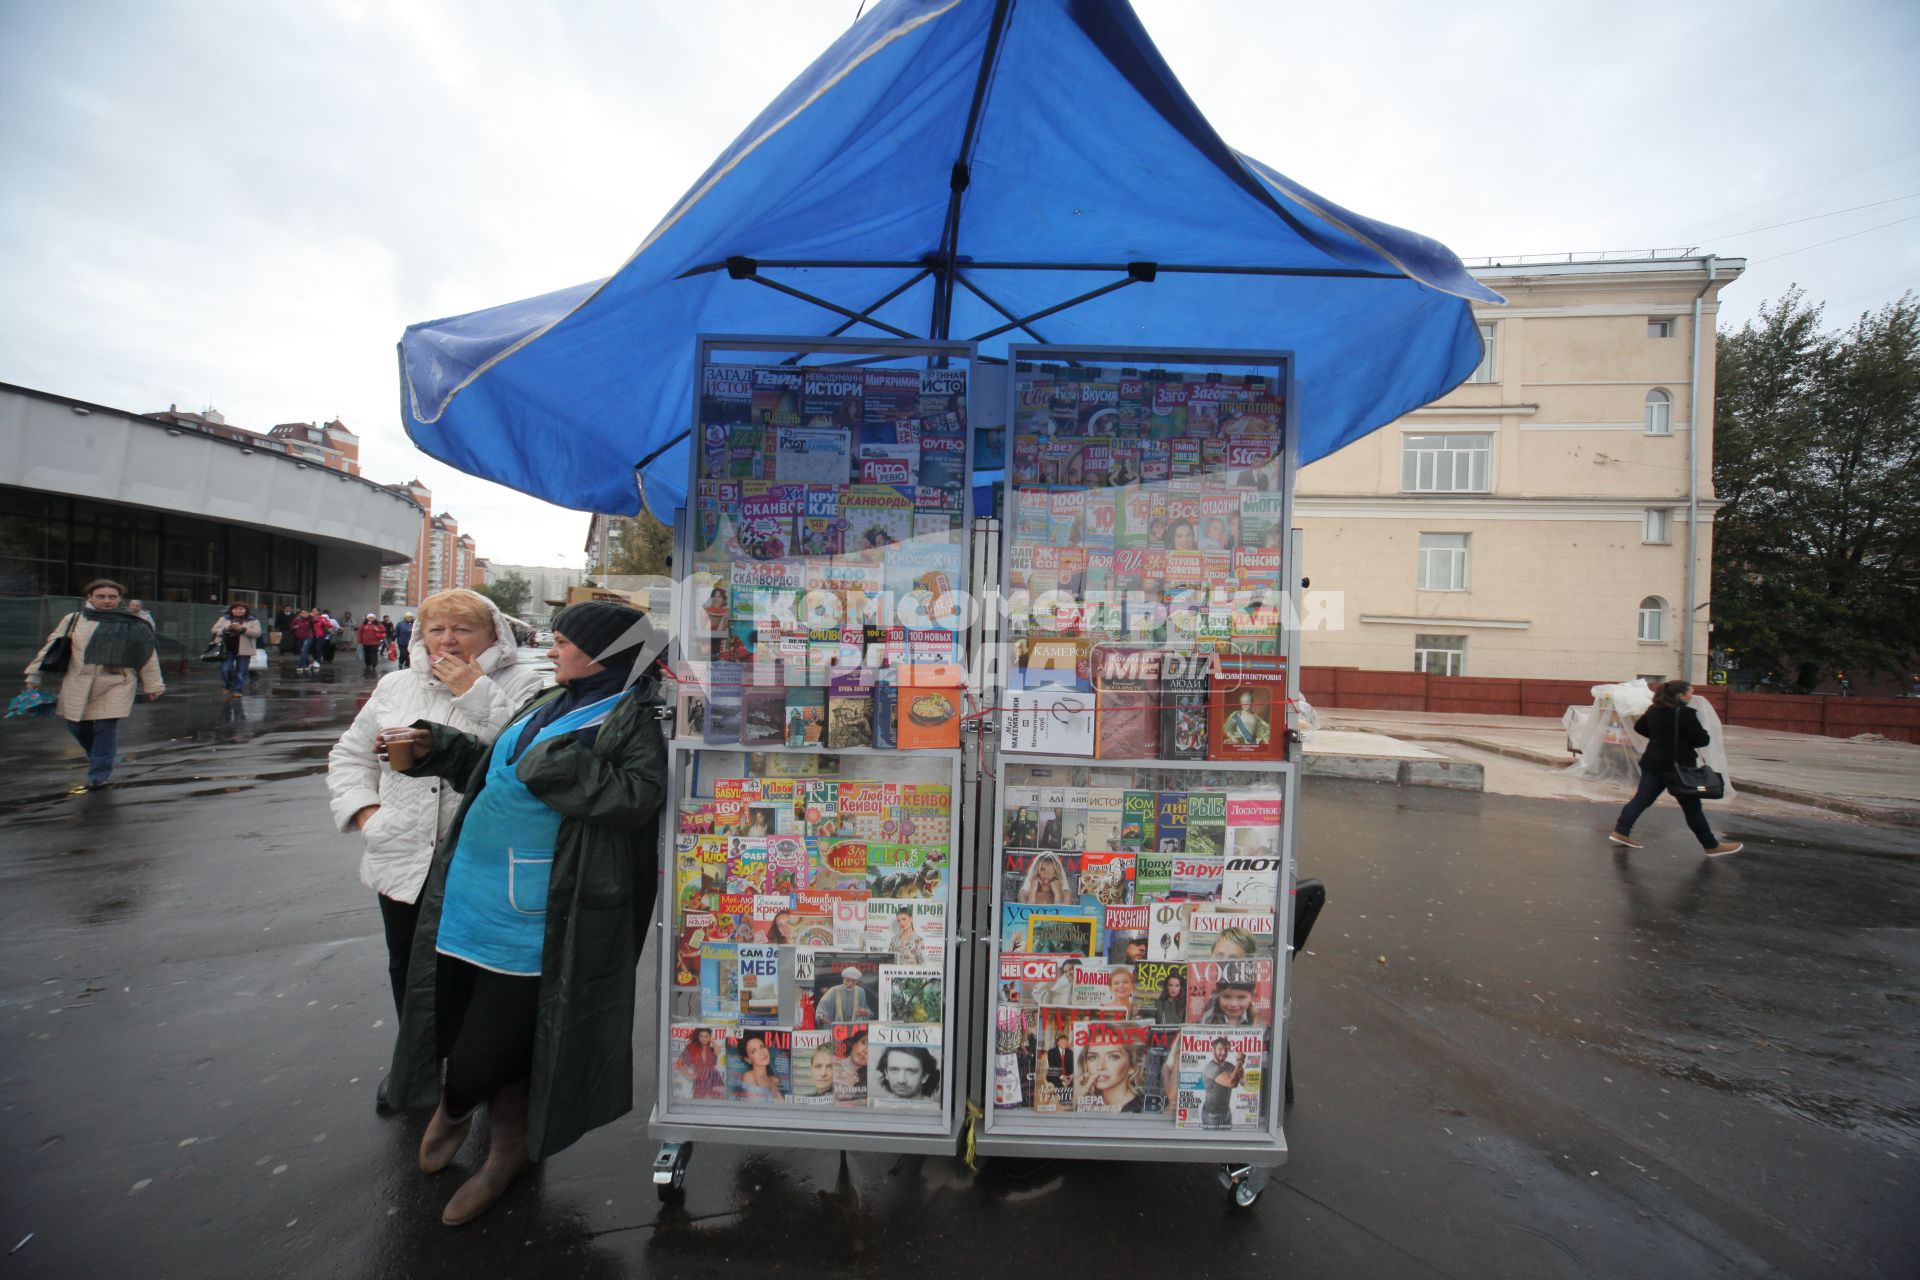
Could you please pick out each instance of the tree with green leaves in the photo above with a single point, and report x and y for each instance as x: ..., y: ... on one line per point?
x: 511, y: 593
x: 642, y: 547
x: 1817, y: 459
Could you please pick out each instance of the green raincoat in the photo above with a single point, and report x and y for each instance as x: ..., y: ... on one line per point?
x: 599, y: 908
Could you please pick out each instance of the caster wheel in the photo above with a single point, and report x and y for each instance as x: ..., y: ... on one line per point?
x: 1244, y: 1195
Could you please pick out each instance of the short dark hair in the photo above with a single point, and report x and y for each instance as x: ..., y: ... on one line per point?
x: 930, y: 1070
x: 98, y: 583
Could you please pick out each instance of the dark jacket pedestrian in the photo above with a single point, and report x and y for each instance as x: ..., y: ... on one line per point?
x: 1674, y: 736
x: 403, y: 639
x: 523, y: 971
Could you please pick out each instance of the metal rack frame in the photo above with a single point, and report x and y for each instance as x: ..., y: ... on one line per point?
x: 1012, y: 1133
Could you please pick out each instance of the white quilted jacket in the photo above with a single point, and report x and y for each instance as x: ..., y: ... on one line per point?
x: 415, y: 812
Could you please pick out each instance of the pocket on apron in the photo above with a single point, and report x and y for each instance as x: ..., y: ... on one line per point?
x: 529, y: 871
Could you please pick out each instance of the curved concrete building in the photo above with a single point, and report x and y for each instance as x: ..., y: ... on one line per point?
x: 183, y: 516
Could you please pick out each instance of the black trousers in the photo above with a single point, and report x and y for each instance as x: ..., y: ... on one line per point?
x: 1653, y: 785
x: 399, y: 919
x: 493, y: 1046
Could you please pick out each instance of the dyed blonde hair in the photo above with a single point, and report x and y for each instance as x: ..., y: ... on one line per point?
x: 460, y: 605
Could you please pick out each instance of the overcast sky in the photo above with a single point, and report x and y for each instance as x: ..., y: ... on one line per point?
x: 241, y: 203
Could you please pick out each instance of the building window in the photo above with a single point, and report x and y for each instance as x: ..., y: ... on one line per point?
x: 1445, y: 463
x: 1660, y: 326
x: 1443, y: 562
x: 1653, y: 620
x: 1658, y: 525
x: 1440, y: 655
x: 1659, y: 413
x: 1486, y: 372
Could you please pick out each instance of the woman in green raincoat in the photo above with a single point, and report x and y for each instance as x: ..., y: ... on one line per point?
x: 535, y: 910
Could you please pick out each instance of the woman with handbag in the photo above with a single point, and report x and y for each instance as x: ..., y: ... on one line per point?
x: 236, y: 634
x: 1674, y: 733
x: 100, y: 652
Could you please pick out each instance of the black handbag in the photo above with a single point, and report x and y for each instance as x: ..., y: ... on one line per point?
x: 59, y: 654
x: 1696, y: 780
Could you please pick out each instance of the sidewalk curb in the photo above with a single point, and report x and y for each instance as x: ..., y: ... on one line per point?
x: 1891, y: 816
x: 1451, y: 775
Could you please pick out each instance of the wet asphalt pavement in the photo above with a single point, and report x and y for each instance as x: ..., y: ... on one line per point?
x: 1518, y: 1052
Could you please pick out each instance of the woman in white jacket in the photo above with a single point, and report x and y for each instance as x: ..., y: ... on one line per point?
x: 463, y: 673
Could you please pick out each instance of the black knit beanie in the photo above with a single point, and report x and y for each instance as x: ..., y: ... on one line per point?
x: 594, y: 626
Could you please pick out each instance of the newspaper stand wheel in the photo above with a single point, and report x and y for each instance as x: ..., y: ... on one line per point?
x: 1244, y: 1184
x: 670, y: 1169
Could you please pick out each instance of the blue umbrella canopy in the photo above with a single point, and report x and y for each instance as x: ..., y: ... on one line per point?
x: 1006, y: 171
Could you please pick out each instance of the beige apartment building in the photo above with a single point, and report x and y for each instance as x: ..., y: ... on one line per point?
x: 1535, y: 521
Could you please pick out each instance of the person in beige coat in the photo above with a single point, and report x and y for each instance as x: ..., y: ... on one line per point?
x: 111, y: 651
x: 237, y: 632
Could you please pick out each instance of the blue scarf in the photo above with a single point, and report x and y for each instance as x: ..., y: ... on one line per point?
x: 574, y: 695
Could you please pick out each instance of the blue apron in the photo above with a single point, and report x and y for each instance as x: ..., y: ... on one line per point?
x: 494, y: 913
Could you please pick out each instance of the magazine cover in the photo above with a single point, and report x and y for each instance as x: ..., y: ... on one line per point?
x: 911, y: 930
x: 852, y: 1053
x: 1063, y: 934
x: 1032, y: 980
x: 1170, y: 822
x: 698, y: 1056
x: 1109, y: 1070
x: 1137, y: 822
x: 1246, y: 702
x: 1230, y: 993
x: 806, y: 711
x: 906, y: 1064
x: 877, y: 516
x: 1161, y: 990
x: 846, y: 985
x: 1251, y: 877
x: 1106, y: 878
x: 1104, y: 810
x: 912, y: 993
x: 1055, y: 1062
x: 766, y: 985
x: 1220, y: 934
x: 813, y: 455
x: 1197, y: 878
x: 1126, y: 933
x: 759, y: 1064
x: 831, y: 398
x: 1125, y: 682
x: 1040, y: 877
x: 812, y: 1068
x: 1166, y: 930
x: 1220, y: 1079
x: 720, y: 983
x: 1160, y: 1073
x: 1206, y: 823
x: 763, y: 714
x: 776, y: 397
x: 890, y: 396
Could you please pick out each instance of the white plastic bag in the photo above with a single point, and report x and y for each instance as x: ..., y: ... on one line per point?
x: 1610, y: 749
x: 258, y: 662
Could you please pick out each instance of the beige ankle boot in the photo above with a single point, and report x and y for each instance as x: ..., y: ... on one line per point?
x: 506, y: 1157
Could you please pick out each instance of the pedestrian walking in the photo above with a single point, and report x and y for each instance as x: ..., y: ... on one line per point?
x: 238, y: 634
x: 139, y: 610
x: 307, y: 628
x: 100, y: 651
x: 468, y: 680
x: 529, y: 998
x: 403, y: 639
x: 372, y: 637
x: 1674, y: 734
x: 326, y: 628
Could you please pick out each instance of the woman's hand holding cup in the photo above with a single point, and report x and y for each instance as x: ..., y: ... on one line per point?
x: 402, y: 748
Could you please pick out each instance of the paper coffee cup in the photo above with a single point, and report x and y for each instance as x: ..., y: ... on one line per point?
x: 400, y: 753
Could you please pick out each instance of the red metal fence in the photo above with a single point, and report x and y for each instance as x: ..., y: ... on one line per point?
x: 1357, y: 690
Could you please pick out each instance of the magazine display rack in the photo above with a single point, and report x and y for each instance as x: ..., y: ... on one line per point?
x: 816, y: 948
x: 1142, y: 863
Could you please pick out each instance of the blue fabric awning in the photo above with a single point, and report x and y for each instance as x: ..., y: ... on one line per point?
x: 968, y: 161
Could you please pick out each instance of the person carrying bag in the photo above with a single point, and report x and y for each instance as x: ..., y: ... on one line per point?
x: 1669, y: 763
